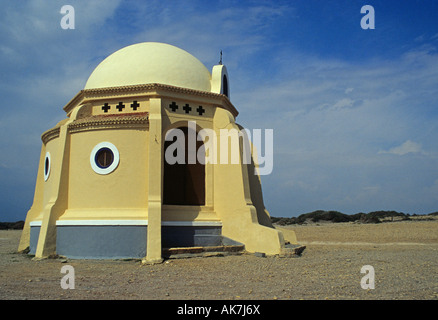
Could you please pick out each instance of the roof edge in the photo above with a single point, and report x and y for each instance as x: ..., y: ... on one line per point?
x: 143, y: 88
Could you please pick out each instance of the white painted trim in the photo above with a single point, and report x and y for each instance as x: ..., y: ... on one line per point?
x: 191, y: 223
x: 102, y: 223
x: 113, y: 165
x: 131, y: 223
x: 35, y: 223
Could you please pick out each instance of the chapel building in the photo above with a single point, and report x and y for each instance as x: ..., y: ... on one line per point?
x: 104, y: 189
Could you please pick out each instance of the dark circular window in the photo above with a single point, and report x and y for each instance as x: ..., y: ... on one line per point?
x: 47, y: 166
x: 104, y: 158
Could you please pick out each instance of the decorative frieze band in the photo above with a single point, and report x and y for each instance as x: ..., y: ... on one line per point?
x: 149, y: 90
x: 137, y: 121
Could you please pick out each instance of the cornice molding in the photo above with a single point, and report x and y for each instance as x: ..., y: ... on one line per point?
x: 130, y: 121
x: 153, y: 90
x: 115, y: 121
x: 50, y: 134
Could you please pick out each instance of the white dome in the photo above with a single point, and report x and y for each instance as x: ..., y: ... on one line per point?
x: 150, y: 62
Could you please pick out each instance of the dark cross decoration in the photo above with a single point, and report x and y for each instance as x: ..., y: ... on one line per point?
x: 120, y: 106
x: 173, y: 106
x: 187, y: 108
x: 220, y: 61
x: 106, y: 107
x: 200, y: 110
x: 135, y: 105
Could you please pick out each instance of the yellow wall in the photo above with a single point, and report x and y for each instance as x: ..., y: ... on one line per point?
x: 55, y: 194
x: 37, y: 205
x: 125, y: 187
x: 232, y: 191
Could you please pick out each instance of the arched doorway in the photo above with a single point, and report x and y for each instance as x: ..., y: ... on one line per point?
x: 225, y: 85
x: 184, y: 183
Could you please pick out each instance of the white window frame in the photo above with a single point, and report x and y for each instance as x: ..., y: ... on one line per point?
x: 113, y: 165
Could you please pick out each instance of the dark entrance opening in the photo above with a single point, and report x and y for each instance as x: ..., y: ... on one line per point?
x: 184, y: 184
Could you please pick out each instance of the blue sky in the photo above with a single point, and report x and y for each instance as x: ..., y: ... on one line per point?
x: 354, y: 112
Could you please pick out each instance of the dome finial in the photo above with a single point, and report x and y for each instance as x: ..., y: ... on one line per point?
x: 220, y: 61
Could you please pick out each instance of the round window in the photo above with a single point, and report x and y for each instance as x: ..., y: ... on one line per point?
x: 47, y: 163
x: 104, y: 158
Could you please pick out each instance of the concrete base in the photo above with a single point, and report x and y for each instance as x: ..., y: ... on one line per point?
x: 101, y: 242
x: 34, y: 234
x: 125, y: 241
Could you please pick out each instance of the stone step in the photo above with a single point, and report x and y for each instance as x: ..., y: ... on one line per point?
x: 185, y: 252
x: 292, y: 250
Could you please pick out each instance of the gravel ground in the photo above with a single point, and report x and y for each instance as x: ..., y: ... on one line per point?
x: 404, y: 256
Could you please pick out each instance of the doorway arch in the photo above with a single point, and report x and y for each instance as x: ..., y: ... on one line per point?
x: 184, y: 183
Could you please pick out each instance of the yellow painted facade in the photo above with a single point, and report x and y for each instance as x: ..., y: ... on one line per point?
x: 128, y: 103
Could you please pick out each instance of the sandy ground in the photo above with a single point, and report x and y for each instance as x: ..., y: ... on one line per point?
x: 404, y: 256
